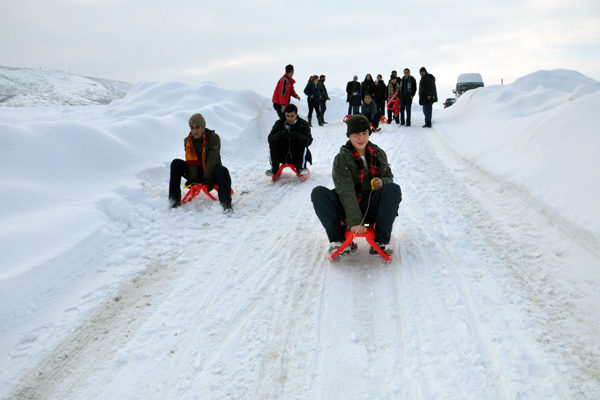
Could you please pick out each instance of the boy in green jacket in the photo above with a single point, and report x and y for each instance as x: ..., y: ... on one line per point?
x: 354, y: 202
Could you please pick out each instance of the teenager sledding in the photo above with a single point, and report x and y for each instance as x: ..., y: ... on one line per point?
x: 365, y: 193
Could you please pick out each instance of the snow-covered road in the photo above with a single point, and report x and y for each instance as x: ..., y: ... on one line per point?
x: 487, y: 297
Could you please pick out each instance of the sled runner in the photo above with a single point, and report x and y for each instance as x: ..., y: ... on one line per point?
x: 369, y: 235
x: 394, y: 104
x: 293, y: 168
x: 196, y: 189
x: 346, y: 117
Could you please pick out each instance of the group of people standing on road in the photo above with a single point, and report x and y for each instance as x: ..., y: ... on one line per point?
x: 361, y: 95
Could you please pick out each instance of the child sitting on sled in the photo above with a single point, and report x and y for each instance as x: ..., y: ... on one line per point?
x: 364, y: 193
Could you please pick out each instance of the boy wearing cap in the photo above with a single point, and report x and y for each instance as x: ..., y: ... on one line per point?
x: 353, y: 201
x: 202, y: 164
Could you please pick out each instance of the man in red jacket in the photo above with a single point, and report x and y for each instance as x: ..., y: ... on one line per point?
x: 283, y: 91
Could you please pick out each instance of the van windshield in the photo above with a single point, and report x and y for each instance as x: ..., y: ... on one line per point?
x: 463, y: 87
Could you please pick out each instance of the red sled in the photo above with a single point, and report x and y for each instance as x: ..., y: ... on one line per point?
x: 369, y: 235
x: 346, y: 117
x: 196, y: 189
x: 293, y: 168
x: 394, y: 104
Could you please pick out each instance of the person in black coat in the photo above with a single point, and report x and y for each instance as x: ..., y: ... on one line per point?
x: 353, y: 96
x: 408, y: 89
x: 427, y: 95
x: 288, y: 142
x: 380, y: 94
x: 366, y: 87
x: 312, y: 96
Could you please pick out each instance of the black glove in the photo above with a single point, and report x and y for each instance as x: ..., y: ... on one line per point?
x: 285, y: 134
x: 209, y: 184
x: 293, y: 135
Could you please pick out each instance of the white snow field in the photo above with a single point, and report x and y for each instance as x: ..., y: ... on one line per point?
x: 493, y: 291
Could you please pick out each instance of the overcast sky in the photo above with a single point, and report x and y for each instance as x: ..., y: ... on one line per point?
x: 246, y: 44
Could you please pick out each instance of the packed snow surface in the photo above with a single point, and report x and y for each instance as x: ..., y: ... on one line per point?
x: 493, y: 291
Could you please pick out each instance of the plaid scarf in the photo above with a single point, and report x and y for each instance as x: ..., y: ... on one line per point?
x: 372, y: 163
x: 190, y: 152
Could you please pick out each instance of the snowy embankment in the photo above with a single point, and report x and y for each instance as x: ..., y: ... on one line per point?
x: 539, y: 134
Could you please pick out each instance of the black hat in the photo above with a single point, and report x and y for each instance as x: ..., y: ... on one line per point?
x: 357, y: 123
x: 422, y: 70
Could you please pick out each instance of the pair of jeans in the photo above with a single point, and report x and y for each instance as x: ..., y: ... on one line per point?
x: 427, y: 111
x: 406, y: 104
x: 322, y: 108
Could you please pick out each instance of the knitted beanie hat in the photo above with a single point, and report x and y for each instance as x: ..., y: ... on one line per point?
x: 357, y: 123
x: 197, y: 120
x: 422, y: 70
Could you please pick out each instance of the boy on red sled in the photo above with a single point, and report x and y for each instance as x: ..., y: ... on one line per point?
x: 354, y: 202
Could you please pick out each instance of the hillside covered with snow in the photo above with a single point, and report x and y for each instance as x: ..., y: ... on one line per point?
x: 493, y: 291
x: 35, y: 87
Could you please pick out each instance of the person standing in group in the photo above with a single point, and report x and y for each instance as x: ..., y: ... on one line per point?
x: 312, y: 96
x: 353, y: 96
x: 284, y: 90
x: 366, y: 87
x: 380, y: 94
x: 323, y: 97
x: 392, y: 89
x: 408, y: 89
x: 427, y: 95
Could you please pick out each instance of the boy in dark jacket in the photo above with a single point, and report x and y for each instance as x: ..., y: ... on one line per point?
x: 369, y: 110
x: 288, y: 142
x: 202, y: 164
x: 353, y: 202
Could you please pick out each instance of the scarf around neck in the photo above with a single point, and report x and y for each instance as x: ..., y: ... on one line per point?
x: 190, y: 152
x: 372, y: 163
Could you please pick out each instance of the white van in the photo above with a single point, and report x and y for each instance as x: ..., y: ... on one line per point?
x: 467, y: 82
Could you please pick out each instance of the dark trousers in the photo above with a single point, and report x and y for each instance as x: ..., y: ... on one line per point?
x: 277, y: 108
x: 322, y: 108
x: 406, y: 104
x: 287, y: 151
x: 313, y: 105
x: 375, y: 122
x: 427, y: 111
x: 179, y: 169
x: 391, y: 116
x: 382, y: 210
x: 380, y: 105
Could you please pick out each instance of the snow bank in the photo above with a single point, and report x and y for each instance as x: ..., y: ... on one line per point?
x: 56, y: 173
x: 540, y: 134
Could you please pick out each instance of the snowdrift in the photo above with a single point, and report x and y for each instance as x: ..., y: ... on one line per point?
x: 539, y: 134
x: 56, y: 172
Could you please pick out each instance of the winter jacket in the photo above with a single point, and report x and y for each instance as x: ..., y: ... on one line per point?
x: 411, y: 85
x: 345, y: 177
x: 322, y: 90
x: 367, y: 87
x: 369, y: 111
x: 284, y: 90
x: 380, y: 90
x: 353, y: 93
x: 301, y: 127
x: 312, y: 92
x: 213, y: 156
x: 427, y: 88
